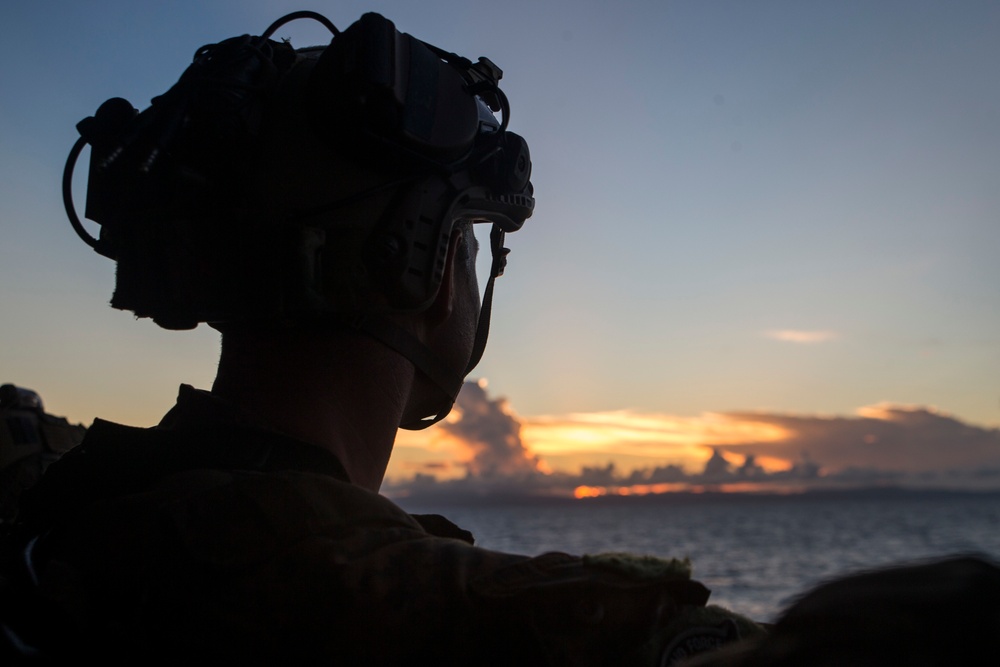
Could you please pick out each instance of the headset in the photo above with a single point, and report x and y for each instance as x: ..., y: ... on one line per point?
x: 174, y: 188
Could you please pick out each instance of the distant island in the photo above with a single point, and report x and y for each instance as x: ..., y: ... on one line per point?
x: 867, y: 493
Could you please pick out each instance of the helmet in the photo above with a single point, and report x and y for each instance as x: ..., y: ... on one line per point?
x: 195, y: 196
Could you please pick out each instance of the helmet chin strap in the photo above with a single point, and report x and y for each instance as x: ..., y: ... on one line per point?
x: 447, y: 381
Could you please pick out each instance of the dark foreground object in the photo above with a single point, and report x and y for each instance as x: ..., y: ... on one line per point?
x: 944, y: 612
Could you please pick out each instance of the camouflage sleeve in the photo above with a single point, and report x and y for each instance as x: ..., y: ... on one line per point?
x: 370, y: 585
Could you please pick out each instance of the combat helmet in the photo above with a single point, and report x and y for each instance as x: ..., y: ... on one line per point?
x: 186, y: 198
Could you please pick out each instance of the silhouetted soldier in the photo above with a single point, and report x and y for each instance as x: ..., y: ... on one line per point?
x: 30, y: 440
x: 316, y: 206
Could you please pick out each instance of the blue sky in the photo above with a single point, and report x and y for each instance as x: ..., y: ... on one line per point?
x: 785, y: 207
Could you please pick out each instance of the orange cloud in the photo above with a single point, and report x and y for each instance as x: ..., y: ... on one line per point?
x: 800, y: 336
x: 624, y: 433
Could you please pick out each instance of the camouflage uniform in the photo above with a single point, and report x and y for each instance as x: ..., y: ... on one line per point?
x: 205, y: 536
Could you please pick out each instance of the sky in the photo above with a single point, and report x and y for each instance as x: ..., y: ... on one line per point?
x: 764, y: 247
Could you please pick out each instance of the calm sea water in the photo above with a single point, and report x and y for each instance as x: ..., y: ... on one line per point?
x: 755, y: 553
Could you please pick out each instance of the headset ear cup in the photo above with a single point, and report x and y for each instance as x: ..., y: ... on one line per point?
x: 517, y: 163
x: 409, y: 249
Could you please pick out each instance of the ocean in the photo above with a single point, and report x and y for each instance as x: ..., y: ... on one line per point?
x: 756, y: 553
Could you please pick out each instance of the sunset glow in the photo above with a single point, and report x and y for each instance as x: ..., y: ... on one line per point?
x: 595, y: 439
x: 582, y: 492
x: 646, y: 433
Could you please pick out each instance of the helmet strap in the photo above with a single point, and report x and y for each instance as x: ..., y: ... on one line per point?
x: 448, y: 382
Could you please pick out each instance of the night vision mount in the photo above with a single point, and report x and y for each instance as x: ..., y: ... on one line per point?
x: 173, y: 187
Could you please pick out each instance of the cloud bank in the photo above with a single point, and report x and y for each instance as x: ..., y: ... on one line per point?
x: 499, y: 453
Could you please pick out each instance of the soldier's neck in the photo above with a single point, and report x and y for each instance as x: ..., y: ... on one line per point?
x: 346, y: 395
